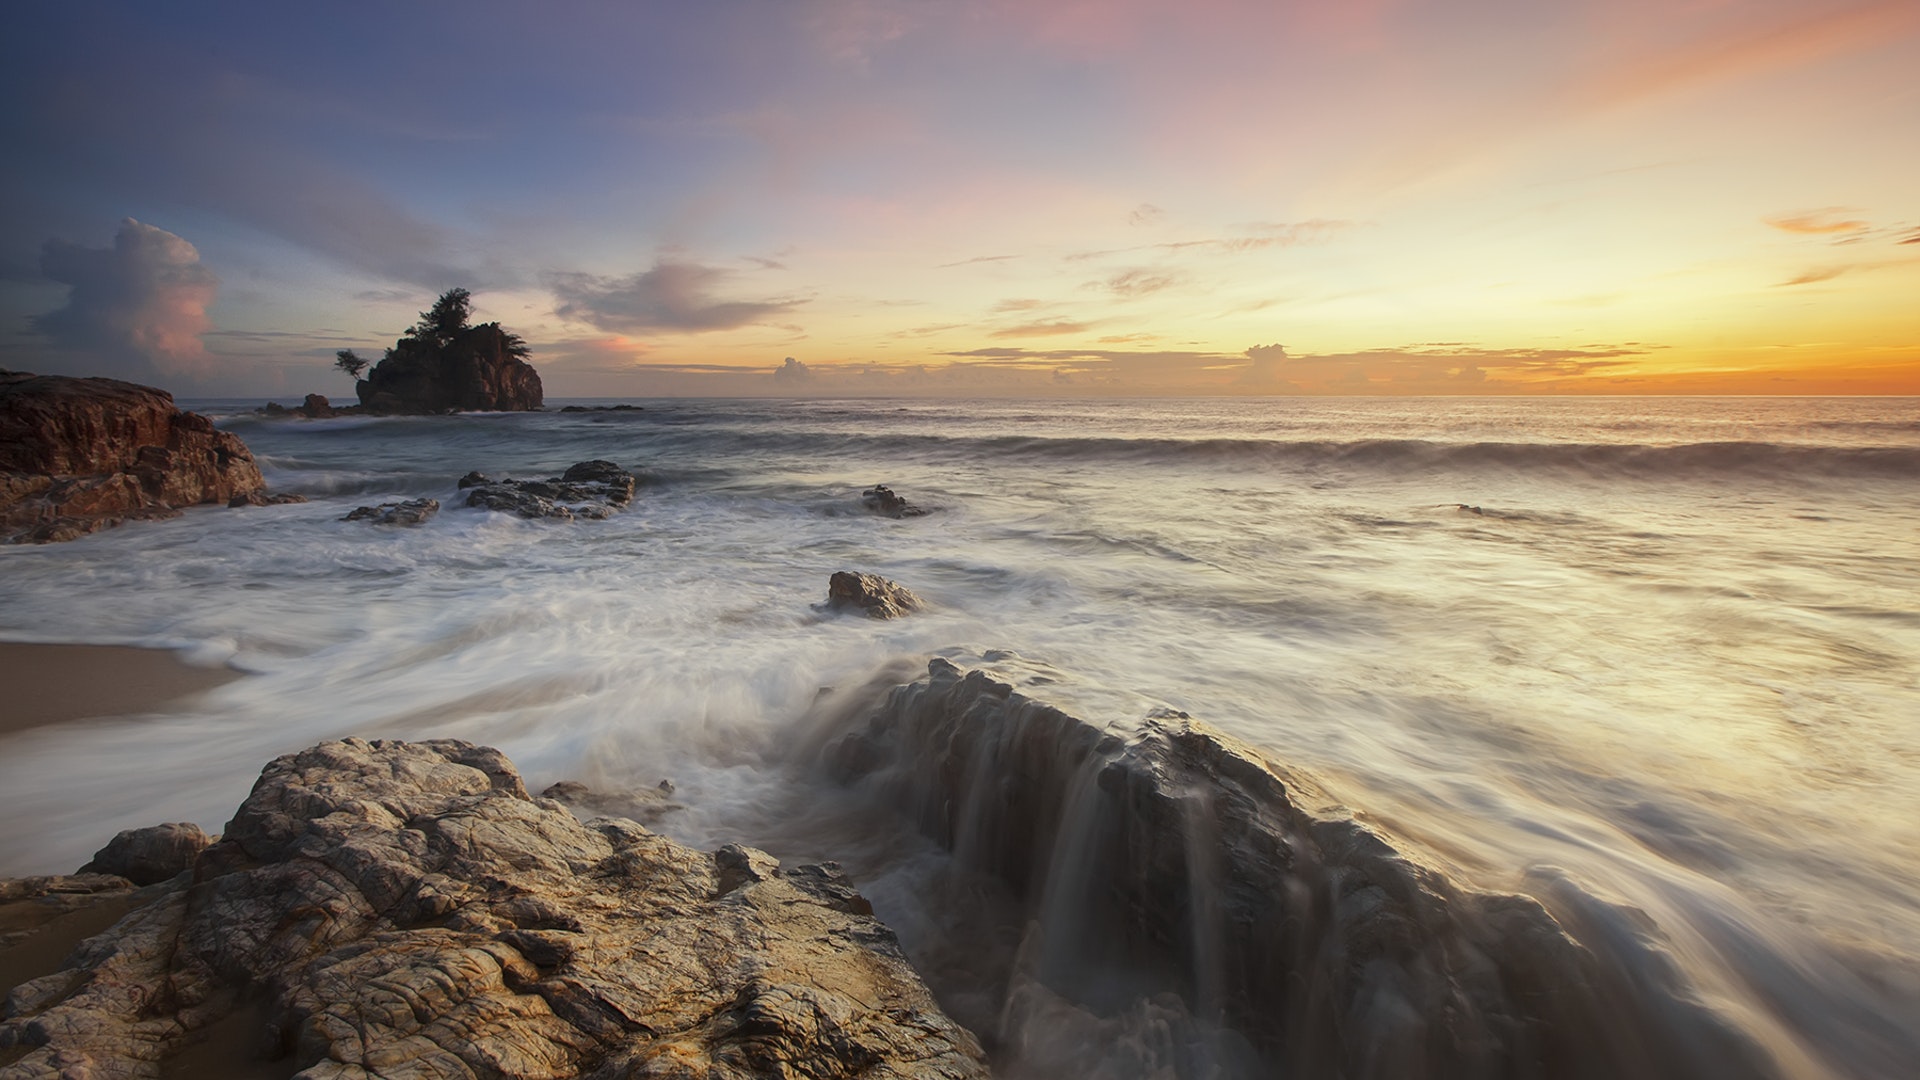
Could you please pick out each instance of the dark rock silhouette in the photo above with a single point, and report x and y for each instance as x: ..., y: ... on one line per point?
x: 444, y: 365
x: 410, y: 512
x: 78, y: 455
x: 881, y: 500
x: 595, y: 489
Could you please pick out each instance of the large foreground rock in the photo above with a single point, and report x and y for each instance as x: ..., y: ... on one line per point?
x: 1175, y: 882
x: 78, y: 455
x: 395, y: 910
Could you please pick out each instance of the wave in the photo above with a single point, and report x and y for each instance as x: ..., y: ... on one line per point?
x: 1596, y: 460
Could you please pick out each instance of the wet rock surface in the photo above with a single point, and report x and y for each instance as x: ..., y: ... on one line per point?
x: 409, y: 512
x: 151, y: 855
x: 588, y: 489
x: 79, y: 455
x: 871, y: 594
x: 1189, y: 908
x: 393, y: 909
x: 880, y: 499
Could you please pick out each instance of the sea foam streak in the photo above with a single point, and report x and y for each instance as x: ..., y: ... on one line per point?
x: 1663, y: 654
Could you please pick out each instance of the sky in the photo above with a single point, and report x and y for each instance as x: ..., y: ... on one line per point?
x: 1037, y: 197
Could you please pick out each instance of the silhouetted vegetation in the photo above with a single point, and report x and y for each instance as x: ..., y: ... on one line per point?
x: 443, y: 333
x: 346, y: 361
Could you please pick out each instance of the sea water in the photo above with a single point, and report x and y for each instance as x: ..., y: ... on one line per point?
x: 1666, y: 649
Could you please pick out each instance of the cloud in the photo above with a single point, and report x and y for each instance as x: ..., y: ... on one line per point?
x: 1136, y: 283
x: 974, y: 260
x: 138, y: 307
x: 1048, y: 328
x: 1145, y: 214
x: 1822, y: 222
x: 1819, y: 273
x: 1912, y: 237
x: 791, y: 370
x: 1434, y: 367
x: 1254, y: 236
x: 1017, y: 304
x: 673, y: 297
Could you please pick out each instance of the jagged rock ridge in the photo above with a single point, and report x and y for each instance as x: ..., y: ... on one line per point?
x: 406, y: 910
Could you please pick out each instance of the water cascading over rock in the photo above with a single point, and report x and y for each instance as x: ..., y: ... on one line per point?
x: 1298, y: 941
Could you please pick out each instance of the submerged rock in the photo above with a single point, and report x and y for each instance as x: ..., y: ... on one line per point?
x: 871, y: 593
x: 261, y: 498
x: 410, y: 512
x: 881, y: 500
x: 79, y: 455
x: 596, y: 489
x: 644, y: 805
x: 1177, y: 882
x: 392, y: 909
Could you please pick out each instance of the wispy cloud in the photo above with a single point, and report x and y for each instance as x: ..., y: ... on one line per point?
x: 1762, y: 49
x: 1823, y: 222
x: 1255, y: 236
x: 674, y: 297
x: 1821, y: 273
x: 1433, y: 367
x: 1133, y: 284
x: 1047, y: 328
x: 976, y: 260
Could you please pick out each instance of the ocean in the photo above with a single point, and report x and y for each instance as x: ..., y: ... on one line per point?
x: 1665, y: 648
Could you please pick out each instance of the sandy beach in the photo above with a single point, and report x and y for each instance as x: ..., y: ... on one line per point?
x: 51, y: 684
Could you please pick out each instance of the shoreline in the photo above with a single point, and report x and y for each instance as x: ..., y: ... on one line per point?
x: 51, y: 684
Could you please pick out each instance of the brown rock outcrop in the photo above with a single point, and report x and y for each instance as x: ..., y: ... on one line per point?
x: 870, y: 593
x: 399, y: 910
x: 78, y: 455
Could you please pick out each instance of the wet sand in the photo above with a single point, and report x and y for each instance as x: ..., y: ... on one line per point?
x: 52, y: 684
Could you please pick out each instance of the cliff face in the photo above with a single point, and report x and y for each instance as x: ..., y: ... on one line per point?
x: 77, y: 455
x: 392, y: 909
x: 476, y: 372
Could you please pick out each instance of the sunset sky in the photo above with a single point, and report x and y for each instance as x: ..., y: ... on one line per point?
x: 1213, y: 196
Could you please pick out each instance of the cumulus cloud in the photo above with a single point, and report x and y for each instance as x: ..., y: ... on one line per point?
x: 675, y: 297
x: 791, y: 370
x: 136, y: 308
